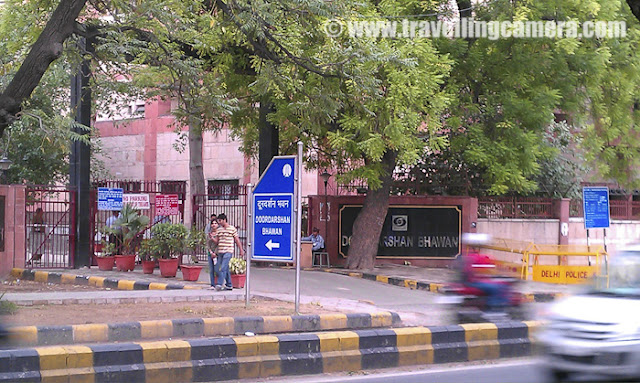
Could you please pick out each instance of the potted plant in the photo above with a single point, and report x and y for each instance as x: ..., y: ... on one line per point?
x: 145, y: 254
x: 129, y: 227
x: 169, y: 242
x: 238, y: 268
x: 105, y: 259
x: 196, y: 239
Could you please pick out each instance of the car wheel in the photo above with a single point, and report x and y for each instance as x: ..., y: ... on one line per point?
x: 558, y: 376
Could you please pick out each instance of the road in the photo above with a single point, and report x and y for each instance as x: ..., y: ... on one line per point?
x: 415, y: 307
x: 525, y: 370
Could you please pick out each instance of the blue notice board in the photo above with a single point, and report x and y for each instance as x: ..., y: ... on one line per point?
x: 273, y: 214
x: 273, y: 227
x: 595, y: 202
x: 110, y: 198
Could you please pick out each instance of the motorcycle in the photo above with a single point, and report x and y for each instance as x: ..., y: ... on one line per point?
x: 470, y: 303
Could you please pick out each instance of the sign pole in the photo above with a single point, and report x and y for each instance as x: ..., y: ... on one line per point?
x: 588, y: 248
x: 247, y: 294
x: 298, y: 217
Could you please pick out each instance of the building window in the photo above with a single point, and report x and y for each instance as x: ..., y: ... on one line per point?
x: 172, y: 187
x: 138, y: 109
x: 222, y: 189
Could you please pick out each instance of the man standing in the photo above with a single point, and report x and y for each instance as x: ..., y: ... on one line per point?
x: 227, y: 237
x: 316, y: 239
x: 116, y: 236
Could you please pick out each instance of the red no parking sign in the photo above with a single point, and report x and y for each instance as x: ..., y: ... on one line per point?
x: 167, y: 204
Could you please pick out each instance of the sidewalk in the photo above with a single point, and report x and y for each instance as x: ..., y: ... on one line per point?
x: 412, y: 277
x: 433, y: 279
x: 135, y: 286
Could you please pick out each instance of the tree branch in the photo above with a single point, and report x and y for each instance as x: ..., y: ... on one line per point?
x: 47, y: 48
x: 260, y: 45
x: 635, y: 7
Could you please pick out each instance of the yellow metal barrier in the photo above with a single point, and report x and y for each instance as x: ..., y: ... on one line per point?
x: 511, y: 246
x: 530, y: 264
x: 562, y: 272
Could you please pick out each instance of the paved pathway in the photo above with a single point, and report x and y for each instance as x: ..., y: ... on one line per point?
x: 331, y: 290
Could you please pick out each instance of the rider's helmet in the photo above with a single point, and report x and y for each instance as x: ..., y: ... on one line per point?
x: 477, y: 261
x: 476, y: 239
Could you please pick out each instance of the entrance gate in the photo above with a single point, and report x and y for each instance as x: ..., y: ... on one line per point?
x: 153, y: 188
x: 50, y: 227
x: 228, y: 199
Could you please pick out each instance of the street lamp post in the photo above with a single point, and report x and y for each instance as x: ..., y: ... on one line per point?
x: 325, y: 177
x: 5, y: 163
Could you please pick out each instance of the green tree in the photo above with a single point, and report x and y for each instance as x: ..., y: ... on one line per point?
x: 367, y: 105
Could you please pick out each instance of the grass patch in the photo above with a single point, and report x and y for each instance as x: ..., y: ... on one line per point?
x: 6, y: 307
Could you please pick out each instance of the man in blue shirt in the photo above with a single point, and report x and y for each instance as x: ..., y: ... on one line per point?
x: 316, y: 239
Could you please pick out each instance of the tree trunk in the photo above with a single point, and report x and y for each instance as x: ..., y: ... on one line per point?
x: 269, y: 138
x: 368, y: 224
x: 47, y: 48
x: 196, y: 170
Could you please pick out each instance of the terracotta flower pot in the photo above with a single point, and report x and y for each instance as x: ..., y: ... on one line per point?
x: 190, y: 272
x: 125, y: 262
x: 148, y: 266
x: 238, y: 280
x: 106, y: 263
x: 168, y: 267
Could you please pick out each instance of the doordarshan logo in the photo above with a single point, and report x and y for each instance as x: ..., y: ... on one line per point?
x: 286, y: 170
x: 399, y: 222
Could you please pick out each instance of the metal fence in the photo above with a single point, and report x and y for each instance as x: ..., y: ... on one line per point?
x: 515, y: 207
x: 618, y: 209
x: 153, y: 188
x: 228, y: 199
x: 50, y: 213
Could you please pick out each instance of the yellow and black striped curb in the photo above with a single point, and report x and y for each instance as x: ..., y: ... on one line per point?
x: 426, y: 286
x: 206, y: 359
x: 82, y: 280
x: 196, y: 327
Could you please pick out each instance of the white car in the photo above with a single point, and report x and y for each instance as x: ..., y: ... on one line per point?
x: 598, y: 330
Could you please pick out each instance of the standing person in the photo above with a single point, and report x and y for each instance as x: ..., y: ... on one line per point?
x: 227, y: 236
x: 38, y: 237
x: 212, y: 248
x: 316, y: 239
x: 207, y: 229
x: 114, y: 237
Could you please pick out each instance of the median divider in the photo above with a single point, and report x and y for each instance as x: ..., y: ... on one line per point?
x: 247, y: 357
x: 197, y: 327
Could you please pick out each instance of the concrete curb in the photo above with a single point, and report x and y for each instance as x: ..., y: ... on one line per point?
x: 82, y: 280
x: 425, y: 286
x: 196, y: 327
x: 233, y: 358
x: 125, y: 300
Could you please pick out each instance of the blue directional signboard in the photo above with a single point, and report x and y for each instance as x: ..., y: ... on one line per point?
x: 596, y: 207
x: 110, y: 198
x: 273, y: 218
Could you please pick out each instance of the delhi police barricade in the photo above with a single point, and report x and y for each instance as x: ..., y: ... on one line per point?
x: 560, y: 264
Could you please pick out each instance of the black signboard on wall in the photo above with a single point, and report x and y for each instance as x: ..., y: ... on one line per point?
x: 2, y: 223
x: 410, y: 231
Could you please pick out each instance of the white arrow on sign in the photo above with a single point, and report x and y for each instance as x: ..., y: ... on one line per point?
x: 272, y: 245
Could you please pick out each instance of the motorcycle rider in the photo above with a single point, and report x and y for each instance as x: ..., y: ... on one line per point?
x: 477, y: 272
